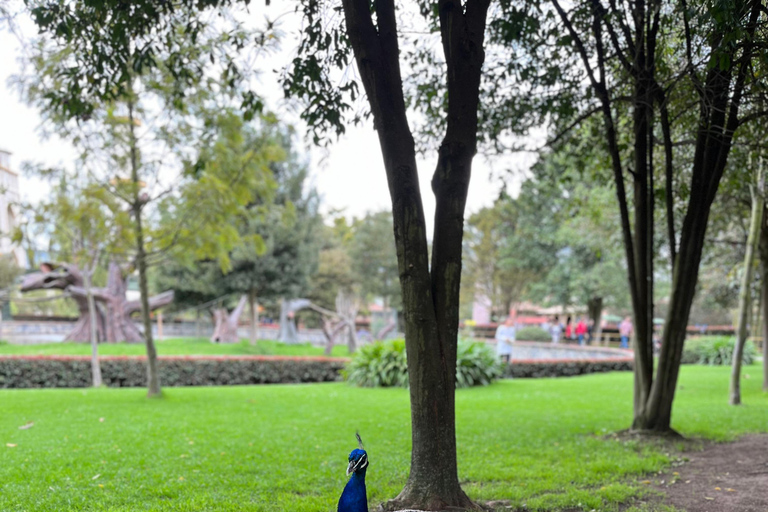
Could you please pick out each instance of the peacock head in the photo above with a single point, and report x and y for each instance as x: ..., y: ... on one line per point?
x: 358, y: 458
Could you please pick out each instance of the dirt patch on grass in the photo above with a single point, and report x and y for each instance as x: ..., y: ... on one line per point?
x: 725, y: 477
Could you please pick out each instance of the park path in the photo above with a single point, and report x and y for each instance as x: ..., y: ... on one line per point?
x: 727, y: 477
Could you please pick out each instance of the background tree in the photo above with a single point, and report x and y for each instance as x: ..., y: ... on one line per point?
x: 133, y: 143
x: 279, y: 234
x: 624, y: 67
x: 90, y: 227
x: 373, y: 257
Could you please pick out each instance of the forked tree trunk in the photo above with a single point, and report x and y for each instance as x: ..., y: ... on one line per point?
x: 430, y: 294
x: 755, y: 221
x: 720, y: 92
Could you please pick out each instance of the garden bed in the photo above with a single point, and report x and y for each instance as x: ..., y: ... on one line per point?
x: 130, y: 371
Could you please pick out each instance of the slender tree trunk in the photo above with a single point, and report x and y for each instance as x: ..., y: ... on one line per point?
x: 755, y: 222
x: 763, y: 251
x: 253, y: 306
x: 94, y: 332
x: 153, y: 375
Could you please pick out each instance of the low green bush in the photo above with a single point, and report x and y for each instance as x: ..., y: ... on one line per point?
x: 532, y: 334
x: 379, y: 364
x: 715, y: 350
x: 384, y: 364
x: 123, y: 372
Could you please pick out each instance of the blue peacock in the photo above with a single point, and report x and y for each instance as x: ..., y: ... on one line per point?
x: 354, y: 497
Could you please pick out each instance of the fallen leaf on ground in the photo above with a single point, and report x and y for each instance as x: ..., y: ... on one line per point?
x: 95, y: 477
x: 28, y: 425
x: 10, y: 445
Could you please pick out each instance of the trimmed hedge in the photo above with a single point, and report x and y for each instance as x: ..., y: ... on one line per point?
x: 531, y: 368
x: 126, y: 371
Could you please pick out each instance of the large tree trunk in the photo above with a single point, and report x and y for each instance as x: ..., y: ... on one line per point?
x: 430, y: 296
x: 755, y: 222
x: 226, y: 323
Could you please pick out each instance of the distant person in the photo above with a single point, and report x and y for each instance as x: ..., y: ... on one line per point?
x: 556, y: 330
x: 568, y: 328
x: 581, y: 330
x: 590, y: 331
x: 505, y: 335
x: 625, y: 331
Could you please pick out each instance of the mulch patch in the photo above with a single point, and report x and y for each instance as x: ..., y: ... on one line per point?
x: 727, y: 477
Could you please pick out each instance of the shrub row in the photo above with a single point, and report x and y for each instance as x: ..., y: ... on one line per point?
x: 123, y: 371
x: 565, y: 368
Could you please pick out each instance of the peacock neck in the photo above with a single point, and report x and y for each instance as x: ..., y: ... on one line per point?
x: 354, y: 497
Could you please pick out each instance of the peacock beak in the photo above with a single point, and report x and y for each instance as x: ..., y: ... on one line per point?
x: 356, y: 465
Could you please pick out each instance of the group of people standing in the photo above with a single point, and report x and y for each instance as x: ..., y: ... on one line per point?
x: 581, y: 330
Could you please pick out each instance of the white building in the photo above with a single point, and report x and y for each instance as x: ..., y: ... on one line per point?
x: 9, y: 199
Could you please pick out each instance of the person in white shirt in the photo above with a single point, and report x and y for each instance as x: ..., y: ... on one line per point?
x: 556, y: 330
x: 505, y: 335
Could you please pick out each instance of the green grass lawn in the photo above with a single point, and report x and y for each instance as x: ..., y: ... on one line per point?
x: 537, y: 443
x: 176, y: 347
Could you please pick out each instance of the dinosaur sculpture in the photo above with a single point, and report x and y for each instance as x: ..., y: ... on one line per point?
x: 113, y: 310
x: 225, y: 323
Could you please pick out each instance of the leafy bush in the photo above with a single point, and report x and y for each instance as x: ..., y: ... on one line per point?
x: 380, y: 364
x: 715, y: 350
x: 476, y: 365
x: 123, y: 371
x: 532, y: 334
x: 384, y: 364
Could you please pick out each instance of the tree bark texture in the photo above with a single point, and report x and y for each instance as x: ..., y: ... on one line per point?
x: 225, y: 323
x: 755, y: 222
x: 430, y: 294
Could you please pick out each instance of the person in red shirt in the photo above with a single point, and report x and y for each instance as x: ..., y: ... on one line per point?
x: 581, y: 330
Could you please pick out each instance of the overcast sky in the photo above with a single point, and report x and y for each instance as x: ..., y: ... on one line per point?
x: 349, y: 175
